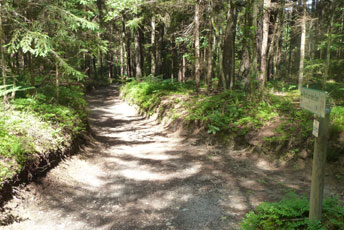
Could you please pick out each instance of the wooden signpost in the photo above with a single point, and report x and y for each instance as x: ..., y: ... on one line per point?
x: 315, y: 102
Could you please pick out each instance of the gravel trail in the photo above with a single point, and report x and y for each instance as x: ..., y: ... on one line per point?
x: 135, y: 174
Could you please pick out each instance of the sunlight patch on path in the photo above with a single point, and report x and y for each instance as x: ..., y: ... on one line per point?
x: 145, y: 174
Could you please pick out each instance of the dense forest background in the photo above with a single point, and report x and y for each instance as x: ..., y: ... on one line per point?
x: 230, y: 69
x: 245, y: 52
x: 223, y: 44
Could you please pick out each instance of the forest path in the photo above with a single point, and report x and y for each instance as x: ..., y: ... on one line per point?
x: 137, y: 175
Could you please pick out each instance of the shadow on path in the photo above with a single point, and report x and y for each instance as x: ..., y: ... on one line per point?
x: 137, y: 175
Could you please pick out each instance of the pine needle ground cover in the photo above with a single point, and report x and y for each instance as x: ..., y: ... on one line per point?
x: 35, y: 126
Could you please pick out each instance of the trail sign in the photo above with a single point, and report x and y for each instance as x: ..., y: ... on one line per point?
x: 313, y: 101
x: 316, y: 125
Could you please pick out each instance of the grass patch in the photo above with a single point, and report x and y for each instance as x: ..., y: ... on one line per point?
x: 36, y: 125
x: 148, y: 93
x: 291, y: 213
x: 235, y: 113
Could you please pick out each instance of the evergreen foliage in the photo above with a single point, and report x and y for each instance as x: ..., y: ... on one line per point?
x: 232, y: 67
x: 291, y: 213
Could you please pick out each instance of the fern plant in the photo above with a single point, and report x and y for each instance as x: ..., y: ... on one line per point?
x: 291, y: 213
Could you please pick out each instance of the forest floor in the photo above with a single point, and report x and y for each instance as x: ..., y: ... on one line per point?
x: 137, y: 174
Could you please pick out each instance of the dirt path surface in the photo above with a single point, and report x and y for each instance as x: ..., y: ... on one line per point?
x: 137, y: 175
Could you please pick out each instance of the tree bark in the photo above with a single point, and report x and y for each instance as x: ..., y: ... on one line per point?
x: 3, y: 61
x: 303, y: 43
x: 142, y: 54
x: 138, y: 55
x: 153, y: 47
x: 264, y: 48
x: 110, y: 55
x: 328, y: 47
x: 122, y: 53
x: 197, y: 46
x: 210, y: 56
x: 159, y: 50
x: 127, y: 46
x: 291, y: 39
x: 57, y: 82
x: 184, y: 70
x: 274, y: 51
x: 253, y: 44
x: 94, y: 60
x: 228, y: 63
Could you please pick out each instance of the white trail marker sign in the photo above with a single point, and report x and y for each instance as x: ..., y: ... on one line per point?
x: 315, y: 101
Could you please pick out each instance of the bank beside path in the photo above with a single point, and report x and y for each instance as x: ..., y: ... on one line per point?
x: 135, y: 174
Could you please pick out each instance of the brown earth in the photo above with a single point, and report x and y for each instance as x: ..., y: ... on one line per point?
x: 136, y: 174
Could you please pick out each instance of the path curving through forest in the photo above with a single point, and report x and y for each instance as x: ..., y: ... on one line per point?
x: 135, y: 174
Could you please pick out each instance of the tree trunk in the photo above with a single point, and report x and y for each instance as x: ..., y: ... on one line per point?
x: 159, y: 50
x: 210, y: 56
x: 138, y: 55
x: 110, y: 54
x: 228, y: 63
x: 153, y: 47
x: 122, y: 53
x: 302, y: 46
x: 328, y: 48
x: 184, y: 70
x: 127, y: 46
x: 94, y: 60
x: 197, y: 46
x: 253, y: 44
x: 172, y: 69
x: 110, y: 65
x: 57, y: 82
x: 142, y: 51
x: 274, y: 51
x: 180, y: 64
x: 264, y: 48
x: 3, y: 61
x: 290, y: 45
x: 30, y: 69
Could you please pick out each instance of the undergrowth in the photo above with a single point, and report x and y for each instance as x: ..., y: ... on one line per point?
x: 147, y: 94
x: 291, y: 213
x: 35, y: 125
x: 235, y: 113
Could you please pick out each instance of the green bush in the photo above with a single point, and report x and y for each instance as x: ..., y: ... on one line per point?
x: 234, y: 113
x: 337, y: 119
x: 38, y: 124
x: 147, y: 94
x: 291, y: 213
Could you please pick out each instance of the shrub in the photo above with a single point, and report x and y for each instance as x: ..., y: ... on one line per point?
x: 291, y: 213
x: 35, y: 125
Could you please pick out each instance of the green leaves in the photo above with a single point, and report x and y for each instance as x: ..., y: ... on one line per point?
x: 134, y: 23
x: 73, y: 21
x: 118, y: 7
x: 291, y: 213
x: 35, y: 42
x: 7, y: 89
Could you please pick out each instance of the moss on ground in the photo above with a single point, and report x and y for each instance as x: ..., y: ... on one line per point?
x: 36, y: 125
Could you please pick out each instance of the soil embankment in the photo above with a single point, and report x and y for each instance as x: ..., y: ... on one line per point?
x: 135, y: 174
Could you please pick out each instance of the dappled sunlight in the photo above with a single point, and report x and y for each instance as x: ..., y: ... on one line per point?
x: 251, y: 184
x: 134, y: 174
x: 237, y: 201
x: 144, y: 174
x: 155, y: 155
x: 92, y: 180
x: 165, y: 199
x: 265, y: 165
x: 121, y: 108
